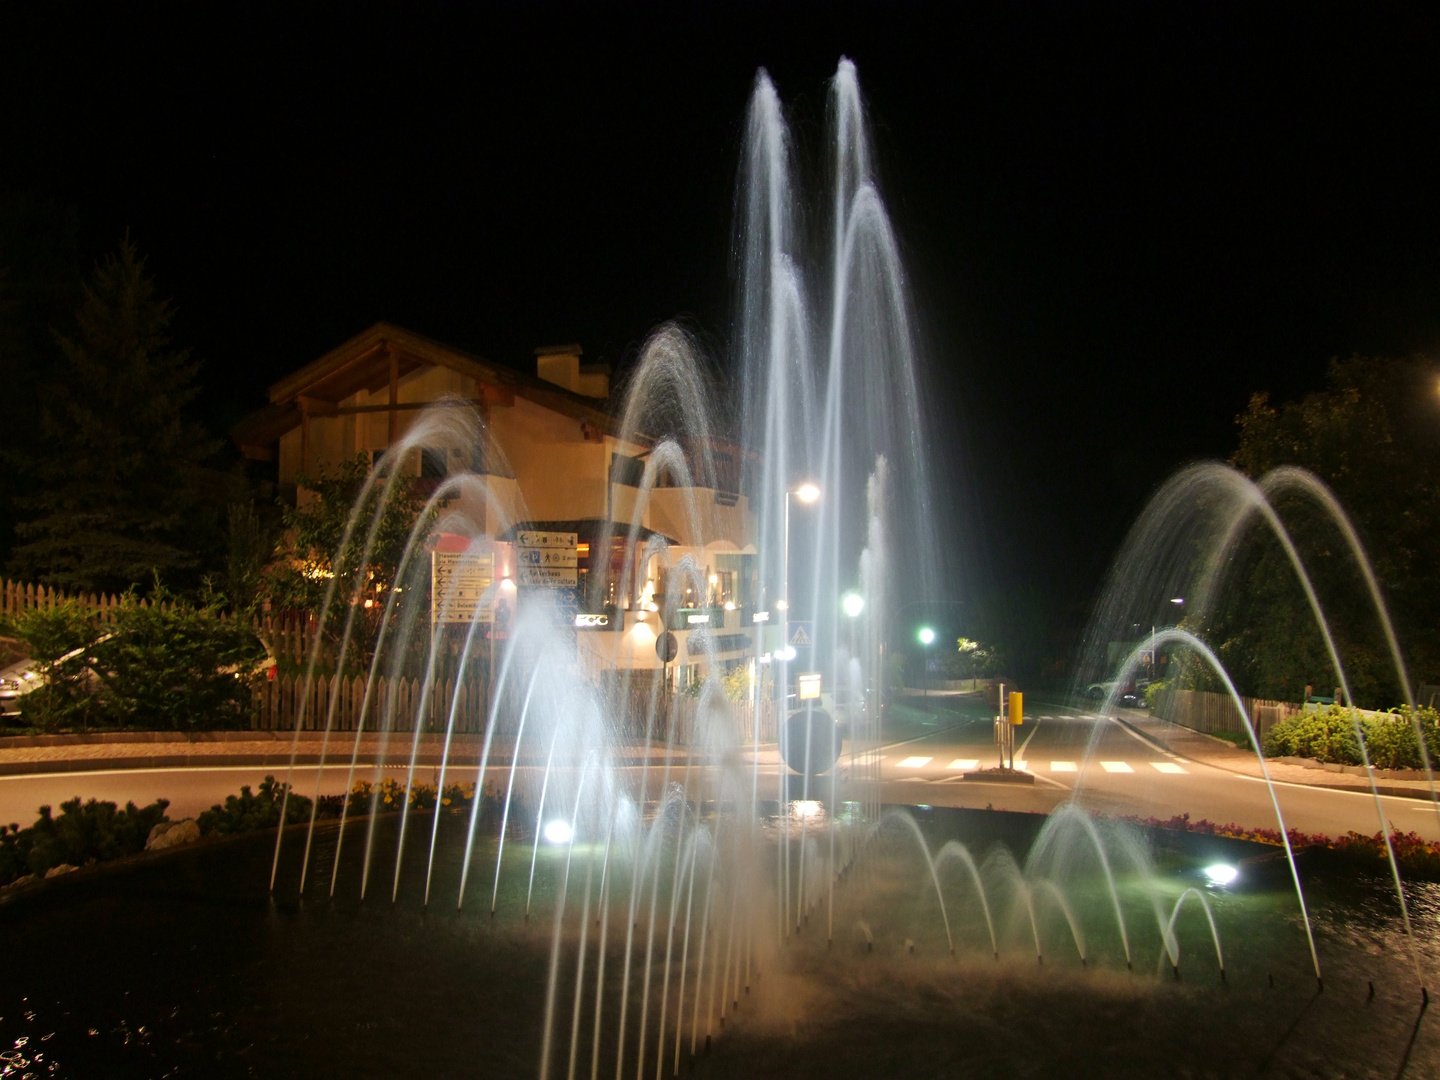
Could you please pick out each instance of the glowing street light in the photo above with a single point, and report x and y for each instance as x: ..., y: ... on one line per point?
x: 927, y: 638
x: 853, y: 604
x: 807, y: 493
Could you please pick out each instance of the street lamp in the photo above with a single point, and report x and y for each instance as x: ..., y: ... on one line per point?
x: 927, y: 638
x: 853, y: 603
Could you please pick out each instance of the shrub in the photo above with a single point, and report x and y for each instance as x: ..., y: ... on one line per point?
x: 1328, y: 734
x: 171, y: 665
x: 58, y: 641
x: 84, y: 832
x: 249, y: 810
x: 159, y: 664
x: 1153, y: 692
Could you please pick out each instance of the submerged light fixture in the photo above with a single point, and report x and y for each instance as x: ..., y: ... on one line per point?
x: 558, y: 831
x: 1221, y: 874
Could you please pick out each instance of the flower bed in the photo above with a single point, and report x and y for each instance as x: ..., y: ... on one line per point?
x: 1418, y: 857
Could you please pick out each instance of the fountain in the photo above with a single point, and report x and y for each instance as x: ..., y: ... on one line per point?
x: 650, y: 895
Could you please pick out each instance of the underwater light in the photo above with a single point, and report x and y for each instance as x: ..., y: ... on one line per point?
x: 1221, y: 874
x: 558, y: 831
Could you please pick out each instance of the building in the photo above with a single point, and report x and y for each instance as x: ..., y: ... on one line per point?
x: 556, y: 451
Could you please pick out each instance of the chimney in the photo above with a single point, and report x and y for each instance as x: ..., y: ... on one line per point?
x: 560, y: 364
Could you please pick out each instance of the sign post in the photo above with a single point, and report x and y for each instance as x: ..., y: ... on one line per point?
x: 547, y: 569
x: 667, y: 647
x: 459, y: 587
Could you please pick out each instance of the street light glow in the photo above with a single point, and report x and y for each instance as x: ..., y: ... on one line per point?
x: 854, y: 603
x: 1177, y: 600
x: 927, y: 636
x: 807, y: 493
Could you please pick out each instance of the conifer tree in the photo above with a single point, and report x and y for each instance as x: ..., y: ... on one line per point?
x: 123, y: 493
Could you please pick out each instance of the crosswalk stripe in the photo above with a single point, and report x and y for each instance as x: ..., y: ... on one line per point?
x: 1167, y: 767
x: 913, y: 763
x: 963, y: 765
x: 1063, y: 766
x: 1116, y: 766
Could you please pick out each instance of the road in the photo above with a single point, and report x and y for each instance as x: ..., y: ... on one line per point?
x: 1072, y: 754
x: 1110, y: 768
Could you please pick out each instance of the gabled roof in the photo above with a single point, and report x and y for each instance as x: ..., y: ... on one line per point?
x: 363, y: 363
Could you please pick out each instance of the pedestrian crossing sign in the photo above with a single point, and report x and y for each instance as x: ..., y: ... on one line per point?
x: 800, y: 635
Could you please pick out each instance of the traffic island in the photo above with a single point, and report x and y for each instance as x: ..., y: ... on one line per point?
x: 1001, y: 775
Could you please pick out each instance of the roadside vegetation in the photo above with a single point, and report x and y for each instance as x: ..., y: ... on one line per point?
x: 161, y: 663
x: 91, y: 832
x: 1327, y: 734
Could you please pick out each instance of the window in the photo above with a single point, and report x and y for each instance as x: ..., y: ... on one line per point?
x: 433, y: 463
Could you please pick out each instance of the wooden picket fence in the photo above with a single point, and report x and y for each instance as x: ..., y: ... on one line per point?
x: 1215, y: 713
x: 285, y: 696
x: 18, y: 597
x: 279, y: 701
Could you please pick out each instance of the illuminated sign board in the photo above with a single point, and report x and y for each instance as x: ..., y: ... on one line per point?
x: 809, y: 686
x: 591, y: 622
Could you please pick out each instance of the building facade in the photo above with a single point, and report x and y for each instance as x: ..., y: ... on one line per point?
x: 555, y: 450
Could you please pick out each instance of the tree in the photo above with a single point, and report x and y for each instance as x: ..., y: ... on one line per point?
x: 39, y: 288
x: 123, y: 492
x: 1373, y: 436
x: 972, y: 660
x: 313, y: 551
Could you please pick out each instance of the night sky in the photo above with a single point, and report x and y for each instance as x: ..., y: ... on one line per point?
x: 1118, y: 221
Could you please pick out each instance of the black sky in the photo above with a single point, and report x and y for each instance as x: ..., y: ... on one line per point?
x: 1118, y: 220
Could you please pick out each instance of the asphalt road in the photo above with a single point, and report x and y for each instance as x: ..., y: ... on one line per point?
x: 1111, y: 769
x: 1072, y: 755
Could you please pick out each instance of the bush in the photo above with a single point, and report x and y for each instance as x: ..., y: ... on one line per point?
x: 972, y: 660
x: 1328, y: 734
x: 249, y: 810
x: 84, y: 832
x: 58, y: 641
x: 160, y: 664
x: 176, y: 666
x: 1153, y: 692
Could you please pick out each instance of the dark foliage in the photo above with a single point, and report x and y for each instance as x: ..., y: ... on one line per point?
x: 1373, y: 436
x: 249, y: 810
x: 83, y: 833
x: 122, y: 490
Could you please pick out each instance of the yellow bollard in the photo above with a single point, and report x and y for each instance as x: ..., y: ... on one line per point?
x: 1017, y: 708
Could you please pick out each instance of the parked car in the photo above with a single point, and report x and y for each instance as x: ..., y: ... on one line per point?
x: 16, y: 681
x: 24, y: 677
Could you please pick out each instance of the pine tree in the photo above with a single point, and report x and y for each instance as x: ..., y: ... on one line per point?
x: 123, y: 490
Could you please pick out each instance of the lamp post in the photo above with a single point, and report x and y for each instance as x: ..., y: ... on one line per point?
x: 806, y: 493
